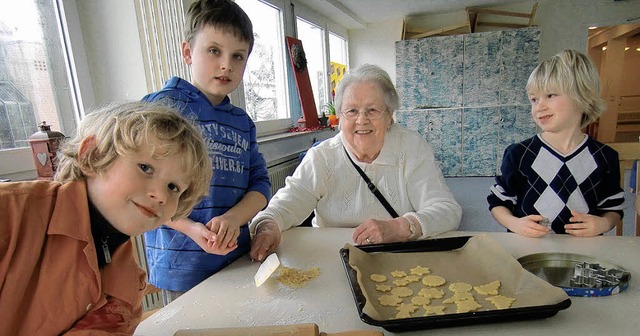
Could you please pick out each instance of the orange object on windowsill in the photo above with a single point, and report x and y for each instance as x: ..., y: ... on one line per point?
x: 333, y: 120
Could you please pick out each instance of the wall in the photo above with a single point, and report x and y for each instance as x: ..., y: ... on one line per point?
x: 464, y: 94
x: 563, y: 24
x: 113, y: 52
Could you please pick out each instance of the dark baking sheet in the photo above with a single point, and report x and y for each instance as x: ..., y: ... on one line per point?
x: 438, y: 321
x: 558, y: 268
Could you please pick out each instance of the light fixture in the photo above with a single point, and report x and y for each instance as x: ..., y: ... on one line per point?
x: 604, y: 48
x: 593, y: 27
x: 626, y: 48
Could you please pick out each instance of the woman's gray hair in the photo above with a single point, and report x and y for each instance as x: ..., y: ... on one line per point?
x: 366, y: 73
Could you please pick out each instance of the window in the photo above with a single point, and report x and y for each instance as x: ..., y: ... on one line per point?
x: 312, y: 37
x: 264, y: 79
x: 33, y: 82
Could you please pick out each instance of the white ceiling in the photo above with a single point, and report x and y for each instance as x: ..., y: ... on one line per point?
x: 355, y: 14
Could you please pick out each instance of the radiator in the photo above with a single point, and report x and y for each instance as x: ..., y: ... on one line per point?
x: 278, y: 173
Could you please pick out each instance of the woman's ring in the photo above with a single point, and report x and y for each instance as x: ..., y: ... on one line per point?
x: 369, y: 240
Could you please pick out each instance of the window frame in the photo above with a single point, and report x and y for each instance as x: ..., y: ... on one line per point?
x: 66, y: 68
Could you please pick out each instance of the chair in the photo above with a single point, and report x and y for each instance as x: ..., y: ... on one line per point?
x: 628, y: 152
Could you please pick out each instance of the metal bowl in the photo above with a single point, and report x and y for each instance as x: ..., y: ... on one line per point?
x: 577, y: 274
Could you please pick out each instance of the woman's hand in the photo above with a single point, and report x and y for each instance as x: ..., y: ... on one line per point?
x: 376, y: 231
x: 586, y: 225
x: 265, y: 241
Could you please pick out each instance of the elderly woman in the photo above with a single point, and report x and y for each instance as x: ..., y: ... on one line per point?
x: 399, y: 162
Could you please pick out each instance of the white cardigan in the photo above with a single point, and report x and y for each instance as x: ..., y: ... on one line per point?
x: 405, y: 172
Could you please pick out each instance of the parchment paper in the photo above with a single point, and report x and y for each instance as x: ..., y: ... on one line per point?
x: 480, y: 261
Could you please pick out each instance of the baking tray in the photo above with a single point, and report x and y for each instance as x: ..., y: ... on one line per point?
x: 558, y: 268
x: 438, y: 321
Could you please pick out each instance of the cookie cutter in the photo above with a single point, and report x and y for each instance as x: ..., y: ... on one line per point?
x: 592, y: 275
x: 545, y: 222
x: 577, y: 274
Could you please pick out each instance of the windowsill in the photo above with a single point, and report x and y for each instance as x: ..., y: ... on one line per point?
x: 286, y: 135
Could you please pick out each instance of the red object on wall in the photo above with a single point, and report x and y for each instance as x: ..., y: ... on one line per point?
x: 299, y: 64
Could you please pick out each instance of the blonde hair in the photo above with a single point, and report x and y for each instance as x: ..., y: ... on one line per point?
x: 121, y: 129
x: 572, y: 73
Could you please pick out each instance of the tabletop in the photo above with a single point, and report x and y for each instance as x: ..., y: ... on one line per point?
x: 231, y: 299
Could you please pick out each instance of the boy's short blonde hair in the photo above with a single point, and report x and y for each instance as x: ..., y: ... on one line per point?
x: 572, y: 73
x: 121, y: 129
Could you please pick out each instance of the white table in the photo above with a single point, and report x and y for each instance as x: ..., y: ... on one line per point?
x: 230, y: 298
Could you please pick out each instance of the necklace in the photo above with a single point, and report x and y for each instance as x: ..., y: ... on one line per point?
x: 105, y: 250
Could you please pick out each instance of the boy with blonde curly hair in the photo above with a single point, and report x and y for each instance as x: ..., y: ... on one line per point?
x: 66, y: 257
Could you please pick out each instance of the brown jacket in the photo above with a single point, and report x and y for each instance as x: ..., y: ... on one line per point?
x: 50, y: 283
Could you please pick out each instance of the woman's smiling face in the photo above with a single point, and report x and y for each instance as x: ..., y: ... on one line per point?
x: 364, y: 136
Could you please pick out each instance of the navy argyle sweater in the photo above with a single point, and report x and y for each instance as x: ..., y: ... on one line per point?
x: 537, y: 180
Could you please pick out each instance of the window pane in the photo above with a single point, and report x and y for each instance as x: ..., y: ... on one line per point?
x: 338, y: 60
x: 26, y: 92
x: 312, y: 38
x: 338, y: 49
x: 264, y: 78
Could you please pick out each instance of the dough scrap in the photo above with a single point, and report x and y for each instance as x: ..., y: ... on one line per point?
x: 402, y: 292
x: 383, y: 288
x: 296, y: 278
x: 501, y: 301
x: 378, y: 277
x: 432, y: 293
x: 420, y: 270
x: 434, y: 310
x: 460, y: 287
x: 389, y: 300
x: 399, y: 274
x: 433, y: 280
x: 488, y: 289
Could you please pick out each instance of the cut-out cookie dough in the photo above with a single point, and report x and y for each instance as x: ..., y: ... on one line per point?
x: 401, y: 282
x: 412, y: 278
x: 383, y: 288
x: 434, y: 310
x: 467, y: 306
x: 420, y: 300
x: 488, y: 289
x: 459, y: 296
x: 378, y: 277
x: 399, y: 274
x: 407, y: 307
x: 402, y: 292
x: 432, y: 293
x: 420, y: 270
x: 389, y: 300
x: 460, y: 287
x: 405, y: 310
x: 501, y: 301
x: 433, y: 280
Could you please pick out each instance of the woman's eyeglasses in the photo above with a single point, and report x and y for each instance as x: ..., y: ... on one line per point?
x: 370, y: 113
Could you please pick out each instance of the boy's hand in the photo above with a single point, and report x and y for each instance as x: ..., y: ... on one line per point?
x: 529, y: 226
x: 225, y: 234
x: 586, y: 225
x: 265, y: 241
